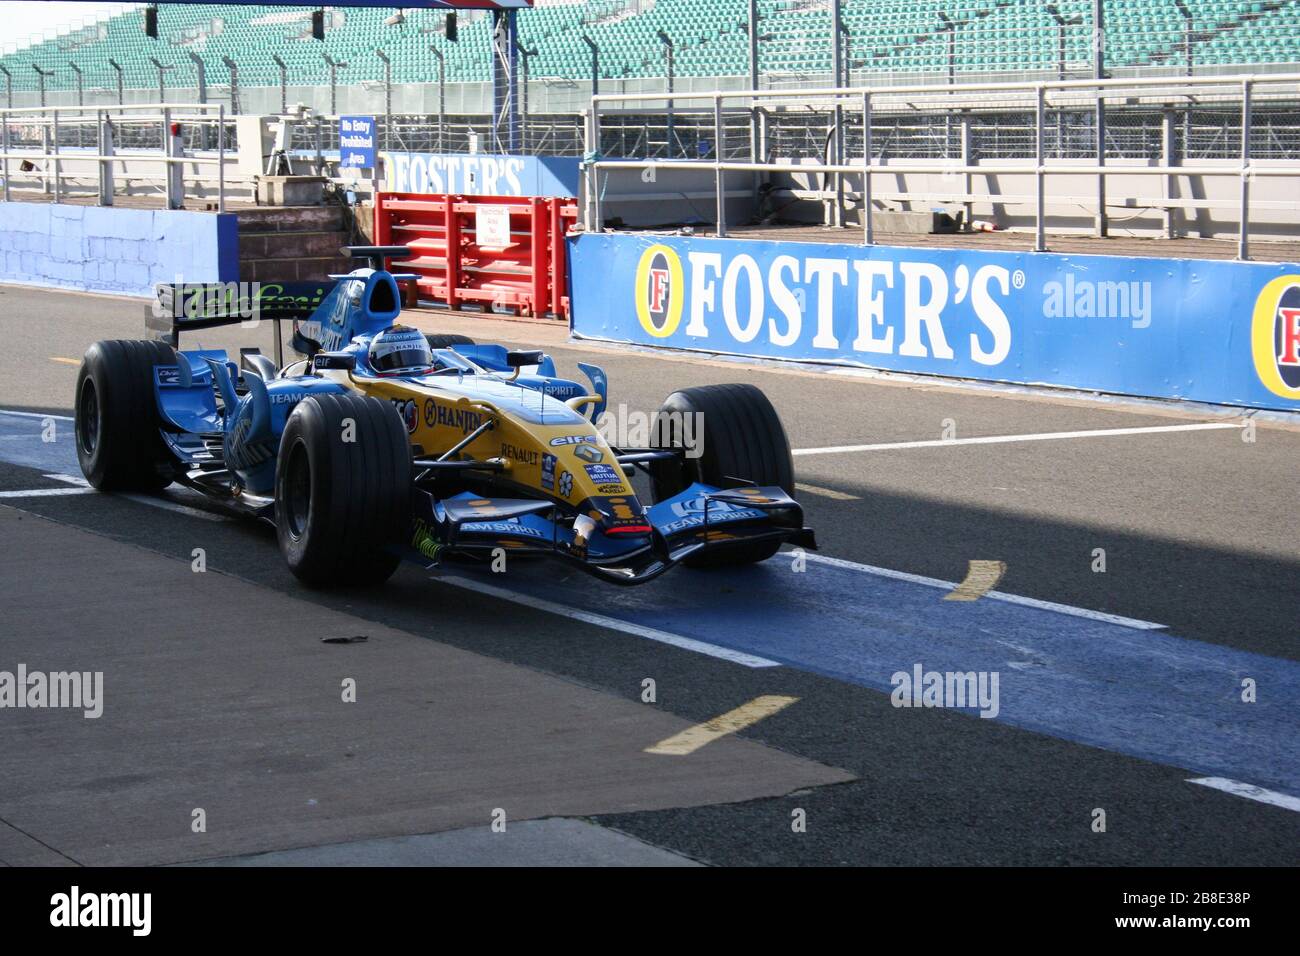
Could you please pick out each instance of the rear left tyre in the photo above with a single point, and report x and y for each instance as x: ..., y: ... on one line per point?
x: 118, y: 428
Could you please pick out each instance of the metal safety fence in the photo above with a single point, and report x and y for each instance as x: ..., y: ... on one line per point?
x: 1068, y: 121
x: 65, y: 152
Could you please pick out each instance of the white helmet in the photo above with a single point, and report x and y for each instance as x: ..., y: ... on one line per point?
x: 400, y: 350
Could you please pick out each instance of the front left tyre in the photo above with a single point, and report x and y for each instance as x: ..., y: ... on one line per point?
x: 118, y: 429
x: 741, y: 439
x: 343, y: 490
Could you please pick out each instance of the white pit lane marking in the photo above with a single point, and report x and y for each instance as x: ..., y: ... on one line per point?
x: 61, y: 418
x: 1004, y: 439
x: 168, y: 505
x: 1249, y: 791
x: 44, y: 492
x: 83, y: 486
x: 990, y: 596
x: 612, y: 623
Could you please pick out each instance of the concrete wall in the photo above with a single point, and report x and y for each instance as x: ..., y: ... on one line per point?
x: 1146, y: 205
x: 123, y: 251
x: 1185, y: 205
x: 671, y: 195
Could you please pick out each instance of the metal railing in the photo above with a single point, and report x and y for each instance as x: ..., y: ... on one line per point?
x: 841, y: 102
x: 49, y: 157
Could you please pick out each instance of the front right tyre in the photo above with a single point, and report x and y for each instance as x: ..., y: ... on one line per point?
x: 343, y: 490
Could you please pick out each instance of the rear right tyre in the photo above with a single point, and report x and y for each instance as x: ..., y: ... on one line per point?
x: 118, y: 428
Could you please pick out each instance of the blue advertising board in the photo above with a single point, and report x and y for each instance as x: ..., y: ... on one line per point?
x: 357, y: 142
x: 1224, y: 332
x: 481, y: 174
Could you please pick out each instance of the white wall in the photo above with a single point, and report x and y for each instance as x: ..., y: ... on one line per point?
x: 123, y: 251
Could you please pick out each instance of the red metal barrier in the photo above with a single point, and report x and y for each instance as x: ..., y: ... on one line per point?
x: 526, y: 275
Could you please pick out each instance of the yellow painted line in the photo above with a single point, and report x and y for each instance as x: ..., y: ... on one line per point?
x: 981, y: 578
x: 65, y: 361
x: 826, y: 492
x: 693, y: 738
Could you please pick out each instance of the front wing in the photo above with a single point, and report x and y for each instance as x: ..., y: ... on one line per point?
x: 702, y: 518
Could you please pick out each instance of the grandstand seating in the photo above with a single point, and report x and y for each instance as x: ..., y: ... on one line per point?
x: 895, y: 37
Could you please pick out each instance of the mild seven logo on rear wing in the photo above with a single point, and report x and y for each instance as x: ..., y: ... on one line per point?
x: 239, y: 300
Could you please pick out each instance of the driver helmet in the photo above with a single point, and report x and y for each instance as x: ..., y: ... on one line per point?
x: 400, y: 350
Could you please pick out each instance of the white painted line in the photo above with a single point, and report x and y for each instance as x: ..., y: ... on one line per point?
x: 1250, y: 792
x: 166, y: 505
x: 44, y: 492
x: 614, y: 624
x: 82, y: 486
x: 62, y: 418
x: 991, y: 595
x: 826, y: 492
x: 1002, y: 439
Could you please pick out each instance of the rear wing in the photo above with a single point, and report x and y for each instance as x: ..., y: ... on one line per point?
x: 193, y: 306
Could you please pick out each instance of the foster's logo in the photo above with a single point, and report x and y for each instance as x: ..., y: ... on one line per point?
x: 1275, y: 336
x: 660, y: 291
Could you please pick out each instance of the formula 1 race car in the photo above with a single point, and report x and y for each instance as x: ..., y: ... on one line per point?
x: 382, y: 443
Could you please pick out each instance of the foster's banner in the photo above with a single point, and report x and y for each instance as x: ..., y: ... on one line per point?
x: 1208, y: 331
x: 481, y: 174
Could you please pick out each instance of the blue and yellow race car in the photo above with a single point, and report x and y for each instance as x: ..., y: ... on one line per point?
x: 380, y: 443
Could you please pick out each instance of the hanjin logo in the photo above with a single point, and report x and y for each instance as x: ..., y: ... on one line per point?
x: 1275, y: 336
x: 660, y: 291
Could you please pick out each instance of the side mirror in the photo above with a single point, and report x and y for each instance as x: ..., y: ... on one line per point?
x: 334, y: 361
x: 524, y: 359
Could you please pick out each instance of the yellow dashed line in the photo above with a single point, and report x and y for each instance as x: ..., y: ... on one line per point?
x: 65, y: 361
x: 981, y: 578
x: 826, y: 492
x: 693, y: 738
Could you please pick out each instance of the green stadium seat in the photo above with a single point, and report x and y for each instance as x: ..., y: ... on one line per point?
x: 894, y: 36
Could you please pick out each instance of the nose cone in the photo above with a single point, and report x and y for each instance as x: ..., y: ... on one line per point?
x: 621, y: 516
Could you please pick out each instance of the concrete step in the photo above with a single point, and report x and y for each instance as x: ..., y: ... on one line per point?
x: 291, y: 245
x: 292, y: 270
x: 291, y: 219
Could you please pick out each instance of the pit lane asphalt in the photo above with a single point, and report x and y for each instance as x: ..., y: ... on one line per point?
x: 1195, y: 524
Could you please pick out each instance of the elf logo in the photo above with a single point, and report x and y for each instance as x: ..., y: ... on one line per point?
x: 1275, y: 336
x: 660, y: 291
